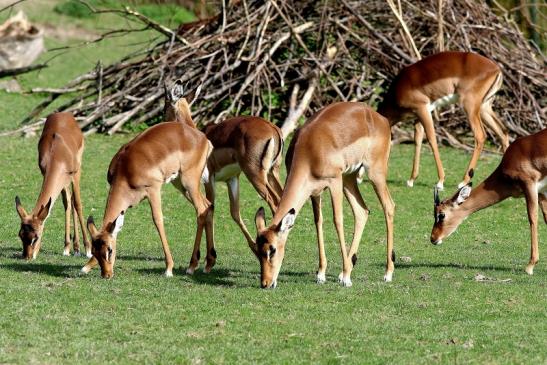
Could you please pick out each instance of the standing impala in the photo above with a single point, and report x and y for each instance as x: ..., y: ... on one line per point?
x: 442, y: 79
x: 335, y: 147
x: 245, y: 144
x: 522, y: 171
x: 167, y: 152
x: 60, y: 152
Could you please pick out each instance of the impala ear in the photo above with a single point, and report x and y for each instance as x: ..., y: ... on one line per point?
x: 260, y: 220
x: 177, y: 91
x: 20, y: 210
x: 287, y: 222
x: 44, y: 211
x: 463, y: 194
x: 115, y: 227
x: 91, y: 227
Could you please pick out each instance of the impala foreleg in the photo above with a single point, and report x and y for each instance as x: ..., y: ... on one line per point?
x: 427, y: 121
x: 318, y: 219
x: 380, y: 187
x: 90, y: 265
x: 473, y: 114
x: 336, y: 192
x: 67, y: 200
x: 233, y: 195
x: 79, y: 209
x: 360, y: 214
x: 76, y: 237
x: 154, y: 198
x: 531, y: 196
x: 543, y: 204
x: 418, y: 139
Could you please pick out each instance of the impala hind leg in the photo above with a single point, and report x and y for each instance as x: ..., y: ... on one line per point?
x: 472, y: 109
x: 154, y: 198
x: 378, y: 179
x: 67, y: 203
x: 531, y: 195
x: 490, y: 118
x: 360, y: 214
x: 78, y: 205
x: 275, y: 183
x: 321, y: 276
x: 427, y: 121
x: 259, y: 180
x: 336, y: 192
x: 233, y: 195
x: 418, y: 139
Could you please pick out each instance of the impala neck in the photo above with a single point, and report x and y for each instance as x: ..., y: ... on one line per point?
x: 117, y: 202
x: 295, y: 194
x: 51, y: 188
x: 491, y: 191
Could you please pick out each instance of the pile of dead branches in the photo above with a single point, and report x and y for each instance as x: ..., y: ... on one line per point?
x: 285, y: 59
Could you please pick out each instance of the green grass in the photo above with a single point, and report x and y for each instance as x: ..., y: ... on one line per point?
x: 52, y: 314
x: 430, y: 313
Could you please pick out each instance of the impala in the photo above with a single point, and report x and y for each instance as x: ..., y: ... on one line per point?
x: 522, y: 171
x: 335, y: 147
x: 60, y: 152
x: 245, y: 144
x: 438, y: 80
x: 169, y: 152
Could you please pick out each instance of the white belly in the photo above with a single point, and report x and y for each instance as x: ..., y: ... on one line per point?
x: 227, y: 172
x: 445, y: 100
x: 171, y: 177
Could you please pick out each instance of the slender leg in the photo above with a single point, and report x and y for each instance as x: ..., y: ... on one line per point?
x: 260, y: 182
x: 67, y: 199
x: 543, y: 202
x: 490, y: 118
x: 233, y: 194
x: 275, y: 183
x: 337, y: 207
x: 154, y: 198
x: 531, y: 195
x: 427, y: 122
x: 76, y: 237
x: 418, y: 139
x: 318, y: 218
x: 78, y: 205
x: 360, y: 213
x: 473, y: 114
x: 378, y: 179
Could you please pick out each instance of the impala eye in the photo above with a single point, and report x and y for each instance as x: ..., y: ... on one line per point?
x: 441, y: 217
x: 272, y: 251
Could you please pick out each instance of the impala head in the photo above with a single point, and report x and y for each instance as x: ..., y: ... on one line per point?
x: 32, y: 226
x: 447, y: 213
x: 176, y: 107
x: 104, y: 244
x: 270, y: 246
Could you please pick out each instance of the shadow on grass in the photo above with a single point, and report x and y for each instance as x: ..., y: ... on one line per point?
x: 403, y: 266
x: 57, y: 270
x: 11, y: 253
x: 142, y: 257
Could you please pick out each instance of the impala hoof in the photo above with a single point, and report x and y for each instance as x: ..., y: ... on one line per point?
x: 66, y: 253
x: 85, y: 270
x: 388, y: 277
x: 77, y: 253
x: 190, y: 270
x: 440, y: 185
x: 345, y: 281
x: 410, y: 183
x: 168, y: 273
x: 89, y: 254
x: 530, y: 269
x: 207, y: 270
x: 321, y: 278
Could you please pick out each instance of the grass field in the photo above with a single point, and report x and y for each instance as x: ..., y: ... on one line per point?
x: 433, y: 312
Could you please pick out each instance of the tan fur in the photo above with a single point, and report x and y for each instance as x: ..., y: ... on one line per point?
x: 339, y: 138
x: 522, y: 169
x: 474, y: 78
x: 138, y: 171
x: 60, y: 152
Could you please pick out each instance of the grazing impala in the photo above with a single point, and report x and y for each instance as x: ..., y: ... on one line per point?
x: 60, y: 152
x: 167, y: 152
x: 245, y: 144
x: 522, y: 171
x: 442, y: 79
x: 335, y: 147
